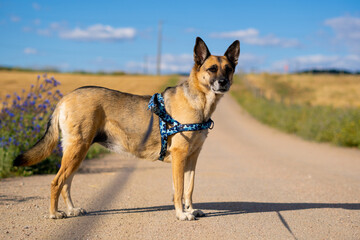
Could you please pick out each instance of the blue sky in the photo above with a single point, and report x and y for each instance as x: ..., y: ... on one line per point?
x: 120, y: 35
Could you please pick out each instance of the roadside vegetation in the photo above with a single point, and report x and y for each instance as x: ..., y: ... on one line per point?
x: 289, y: 107
x: 23, y: 119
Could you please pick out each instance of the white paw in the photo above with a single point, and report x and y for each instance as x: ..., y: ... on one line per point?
x: 183, y: 216
x: 76, y: 212
x: 57, y: 215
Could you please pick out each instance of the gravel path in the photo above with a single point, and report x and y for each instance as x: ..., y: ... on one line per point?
x: 253, y: 182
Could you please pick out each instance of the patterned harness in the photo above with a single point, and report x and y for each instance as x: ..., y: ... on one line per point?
x: 157, y: 106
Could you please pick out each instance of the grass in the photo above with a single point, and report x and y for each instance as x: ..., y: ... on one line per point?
x: 317, y: 90
x: 172, y: 81
x: 23, y: 116
x: 338, y: 125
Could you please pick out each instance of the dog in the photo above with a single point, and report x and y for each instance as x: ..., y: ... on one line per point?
x: 119, y: 120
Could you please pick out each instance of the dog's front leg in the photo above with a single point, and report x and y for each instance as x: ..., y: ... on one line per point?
x: 178, y: 166
x: 190, y: 166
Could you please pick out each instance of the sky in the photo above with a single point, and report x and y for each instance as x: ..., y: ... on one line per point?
x: 275, y: 36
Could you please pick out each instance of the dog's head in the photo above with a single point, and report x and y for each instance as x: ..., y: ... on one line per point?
x: 215, y: 73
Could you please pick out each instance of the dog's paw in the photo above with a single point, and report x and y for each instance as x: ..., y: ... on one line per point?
x: 76, y: 212
x: 197, y: 213
x: 183, y: 216
x: 58, y: 215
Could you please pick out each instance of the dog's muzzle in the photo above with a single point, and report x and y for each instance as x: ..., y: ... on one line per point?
x: 220, y: 86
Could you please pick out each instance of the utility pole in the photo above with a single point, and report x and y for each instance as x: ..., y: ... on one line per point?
x: 158, y: 65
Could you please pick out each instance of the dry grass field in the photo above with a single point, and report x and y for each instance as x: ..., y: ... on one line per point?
x: 12, y: 81
x: 322, y: 89
x: 324, y: 108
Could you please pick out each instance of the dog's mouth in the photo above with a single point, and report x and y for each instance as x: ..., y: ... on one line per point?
x: 220, y: 87
x: 219, y: 91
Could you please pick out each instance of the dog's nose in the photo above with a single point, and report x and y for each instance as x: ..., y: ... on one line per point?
x: 223, y: 82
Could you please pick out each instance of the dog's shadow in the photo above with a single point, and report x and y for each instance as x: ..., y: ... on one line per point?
x: 214, y: 209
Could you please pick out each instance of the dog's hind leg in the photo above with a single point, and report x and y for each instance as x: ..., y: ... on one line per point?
x: 189, y: 177
x: 65, y: 192
x: 73, y: 155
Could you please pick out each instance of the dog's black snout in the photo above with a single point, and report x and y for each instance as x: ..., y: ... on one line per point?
x: 223, y: 82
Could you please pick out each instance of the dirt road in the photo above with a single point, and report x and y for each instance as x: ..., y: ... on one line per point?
x: 252, y: 181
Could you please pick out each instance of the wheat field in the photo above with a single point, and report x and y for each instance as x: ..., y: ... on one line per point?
x: 13, y: 81
x: 311, y: 89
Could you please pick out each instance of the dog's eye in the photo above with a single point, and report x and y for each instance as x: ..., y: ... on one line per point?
x: 213, y: 69
x: 228, y: 69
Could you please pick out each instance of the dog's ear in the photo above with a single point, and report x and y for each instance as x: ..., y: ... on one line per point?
x: 233, y: 52
x: 201, y: 51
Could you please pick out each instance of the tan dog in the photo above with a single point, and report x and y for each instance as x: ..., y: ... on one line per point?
x: 95, y: 114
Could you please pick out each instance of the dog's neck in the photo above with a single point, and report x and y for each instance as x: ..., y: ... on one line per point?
x: 200, y: 97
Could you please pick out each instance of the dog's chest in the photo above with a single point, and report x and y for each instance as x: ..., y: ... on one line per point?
x: 197, y: 140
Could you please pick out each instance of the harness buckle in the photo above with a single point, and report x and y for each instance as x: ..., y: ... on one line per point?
x: 212, y: 125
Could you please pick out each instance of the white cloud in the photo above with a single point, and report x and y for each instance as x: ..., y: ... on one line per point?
x: 57, y: 25
x: 250, y: 62
x: 29, y: 51
x: 36, y: 6
x: 349, y: 62
x: 191, y: 30
x: 104, y: 62
x: 27, y: 29
x: 170, y: 63
x: 52, y: 28
x: 347, y: 31
x: 14, y: 18
x: 242, y: 34
x: 44, y: 32
x: 252, y: 36
x: 99, y: 32
x: 37, y: 21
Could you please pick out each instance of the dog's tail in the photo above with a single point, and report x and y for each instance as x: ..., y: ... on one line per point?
x: 44, y: 146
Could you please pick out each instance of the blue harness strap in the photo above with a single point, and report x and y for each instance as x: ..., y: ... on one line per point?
x: 157, y: 106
